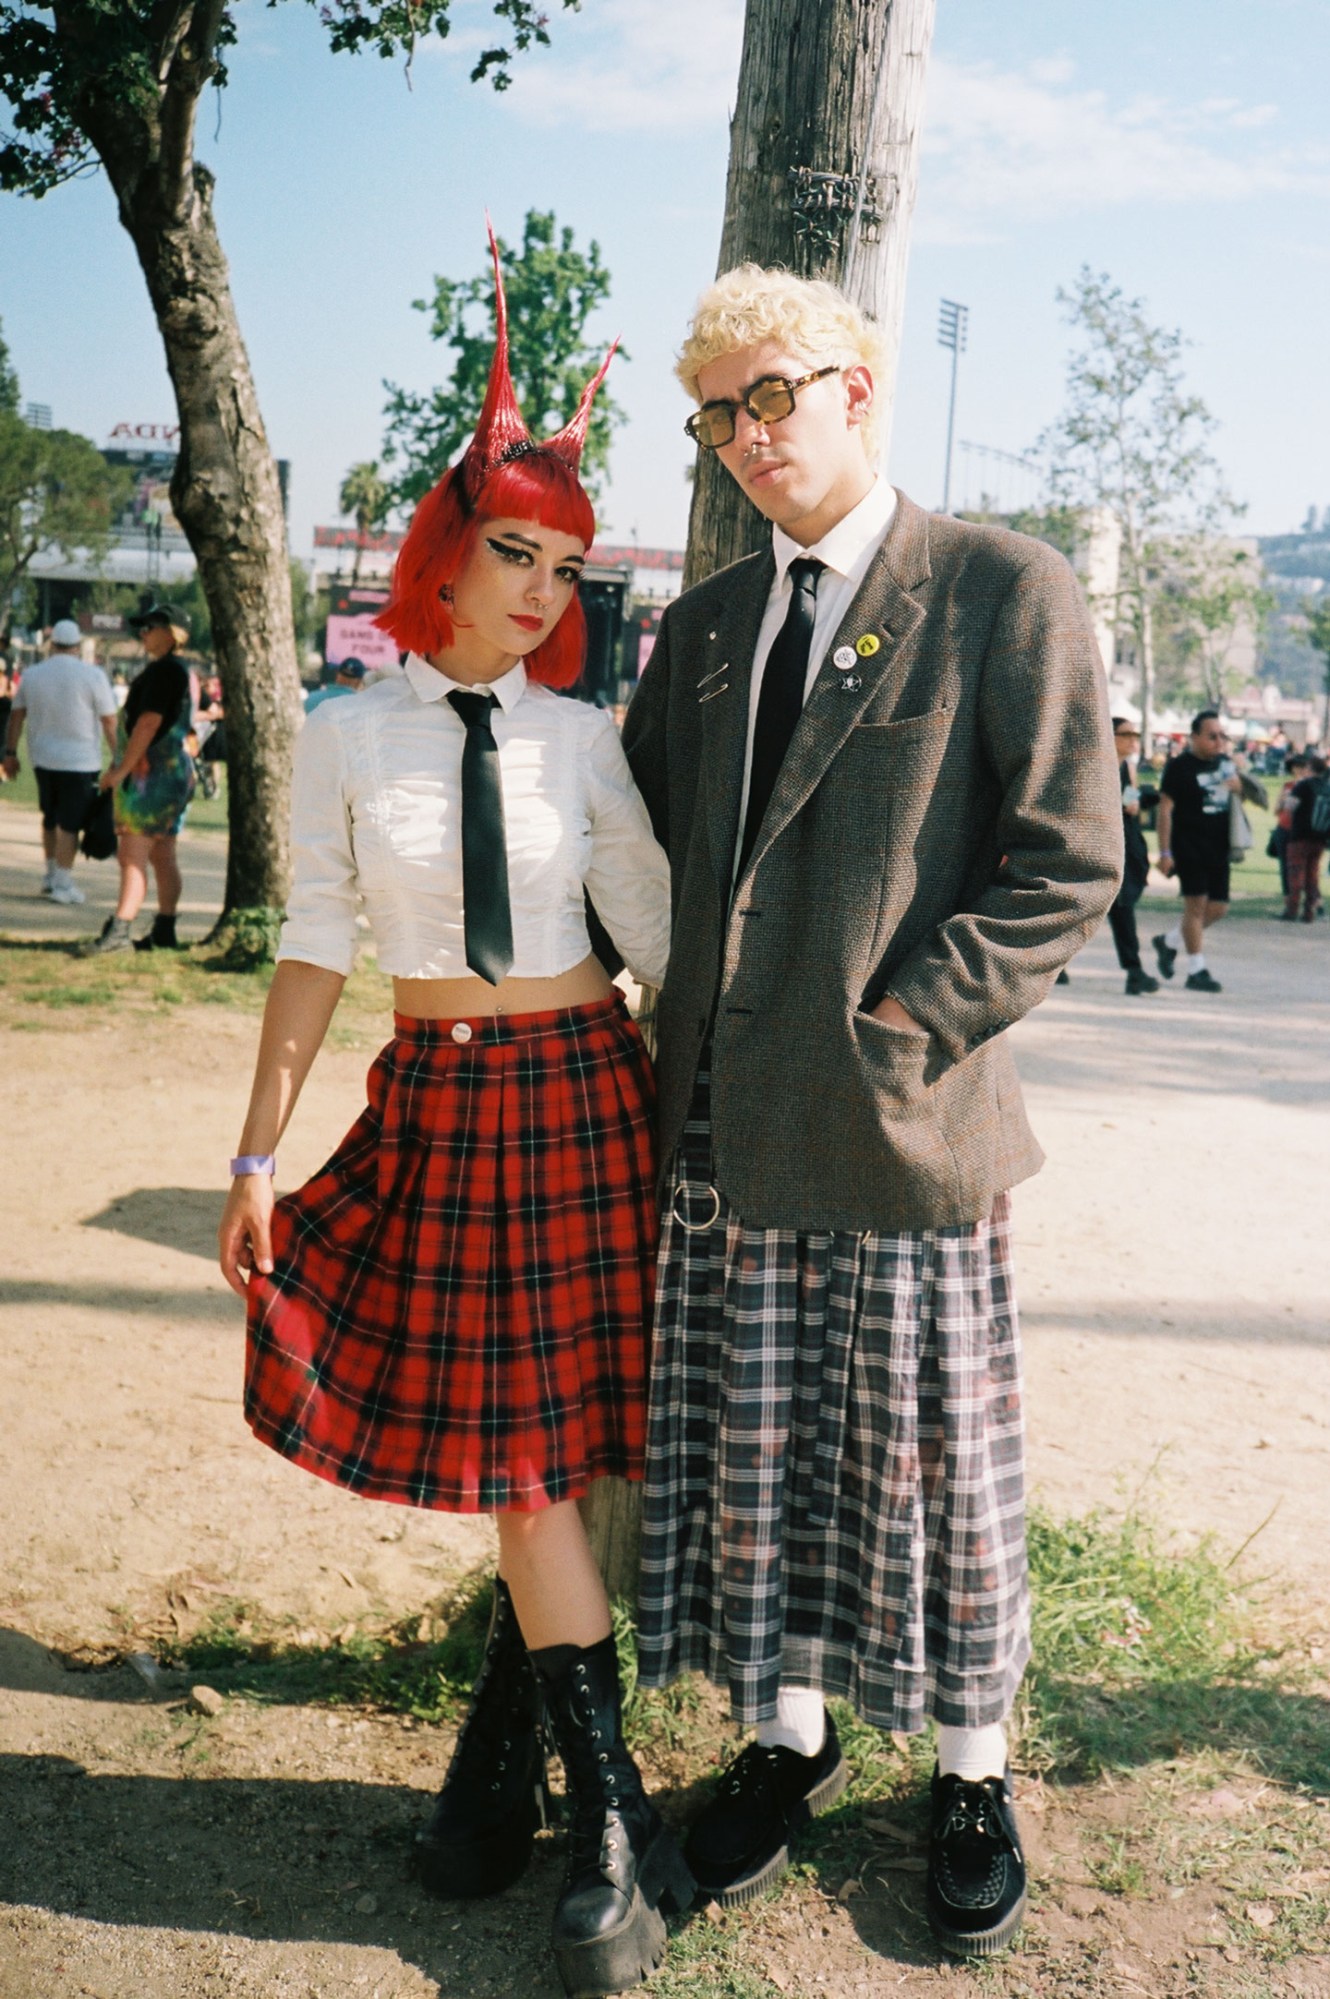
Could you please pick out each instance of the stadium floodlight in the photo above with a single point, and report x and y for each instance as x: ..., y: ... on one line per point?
x: 952, y: 325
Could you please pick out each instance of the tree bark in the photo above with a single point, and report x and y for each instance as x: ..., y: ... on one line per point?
x: 226, y: 494
x: 822, y: 181
x: 826, y: 88
x: 225, y: 488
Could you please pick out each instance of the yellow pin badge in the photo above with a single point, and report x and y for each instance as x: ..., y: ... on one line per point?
x: 867, y: 645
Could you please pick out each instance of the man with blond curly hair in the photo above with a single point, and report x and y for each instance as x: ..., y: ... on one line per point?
x: 879, y: 756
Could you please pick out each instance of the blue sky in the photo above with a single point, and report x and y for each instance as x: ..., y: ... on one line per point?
x: 1181, y: 147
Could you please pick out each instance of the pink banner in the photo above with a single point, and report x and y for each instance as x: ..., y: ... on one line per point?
x: 359, y: 638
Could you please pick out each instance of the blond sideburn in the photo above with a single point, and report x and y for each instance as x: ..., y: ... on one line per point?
x: 749, y: 306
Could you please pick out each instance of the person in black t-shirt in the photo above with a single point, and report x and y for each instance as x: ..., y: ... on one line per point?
x: 153, y: 781
x: 1194, y: 845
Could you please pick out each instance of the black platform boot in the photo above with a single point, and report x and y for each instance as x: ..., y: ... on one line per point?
x: 479, y: 1836
x: 623, y: 1865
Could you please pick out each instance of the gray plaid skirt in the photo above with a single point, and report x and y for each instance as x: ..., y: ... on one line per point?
x: 834, y: 1491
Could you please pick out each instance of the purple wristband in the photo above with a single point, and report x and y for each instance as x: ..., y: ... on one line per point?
x: 254, y: 1162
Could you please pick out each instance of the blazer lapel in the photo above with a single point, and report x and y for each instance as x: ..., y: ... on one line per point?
x: 883, y: 609
x: 723, y: 690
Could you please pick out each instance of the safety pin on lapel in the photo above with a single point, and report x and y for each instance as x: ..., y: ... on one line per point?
x: 723, y: 668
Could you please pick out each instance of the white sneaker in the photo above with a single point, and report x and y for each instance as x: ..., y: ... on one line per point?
x: 67, y: 892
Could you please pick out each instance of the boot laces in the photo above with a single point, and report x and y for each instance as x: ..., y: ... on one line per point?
x: 494, y: 1715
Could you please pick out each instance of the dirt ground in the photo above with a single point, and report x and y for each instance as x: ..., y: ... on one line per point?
x: 1174, y: 1287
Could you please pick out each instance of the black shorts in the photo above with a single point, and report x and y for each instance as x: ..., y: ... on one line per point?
x: 64, y: 796
x: 1203, y: 871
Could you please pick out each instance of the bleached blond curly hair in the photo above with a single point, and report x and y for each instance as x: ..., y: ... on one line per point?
x: 748, y: 306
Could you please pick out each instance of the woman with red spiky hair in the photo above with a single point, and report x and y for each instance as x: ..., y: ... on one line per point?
x: 453, y: 1312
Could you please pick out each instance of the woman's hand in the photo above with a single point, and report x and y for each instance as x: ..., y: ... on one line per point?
x: 244, y: 1239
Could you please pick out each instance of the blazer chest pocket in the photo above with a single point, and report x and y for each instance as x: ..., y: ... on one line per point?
x: 904, y: 729
x: 900, y: 753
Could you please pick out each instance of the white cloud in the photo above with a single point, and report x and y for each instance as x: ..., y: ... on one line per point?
x: 1053, y: 69
x: 625, y: 66
x: 1002, y: 145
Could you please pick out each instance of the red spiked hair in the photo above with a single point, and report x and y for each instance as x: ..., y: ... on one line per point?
x: 502, y: 474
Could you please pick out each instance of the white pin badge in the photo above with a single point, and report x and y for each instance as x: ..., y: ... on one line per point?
x: 845, y: 658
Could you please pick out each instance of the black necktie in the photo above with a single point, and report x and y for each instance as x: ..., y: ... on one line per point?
x: 488, y: 917
x: 781, y: 701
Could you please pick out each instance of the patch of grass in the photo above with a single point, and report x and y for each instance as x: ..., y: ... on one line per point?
x: 1116, y: 1871
x: 1138, y: 1651
x: 708, y: 1961
x: 93, y: 994
x: 417, y: 1666
x: 52, y: 976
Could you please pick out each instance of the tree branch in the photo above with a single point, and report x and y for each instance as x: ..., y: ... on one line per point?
x: 191, y: 68
x: 169, y: 25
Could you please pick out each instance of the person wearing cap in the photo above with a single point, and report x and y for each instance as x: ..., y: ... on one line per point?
x: 153, y: 780
x: 68, y: 706
x: 346, y: 678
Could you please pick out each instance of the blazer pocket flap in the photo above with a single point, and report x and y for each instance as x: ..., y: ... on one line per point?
x: 904, y: 726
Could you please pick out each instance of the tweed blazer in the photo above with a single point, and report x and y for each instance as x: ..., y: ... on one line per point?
x: 946, y: 828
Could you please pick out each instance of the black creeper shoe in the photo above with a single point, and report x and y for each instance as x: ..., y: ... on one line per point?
x: 1166, y: 955
x: 1141, y: 982
x: 1203, y: 982
x: 741, y: 1843
x: 975, y: 1885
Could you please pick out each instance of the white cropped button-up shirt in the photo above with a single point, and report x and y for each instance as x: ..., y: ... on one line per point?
x: 376, y: 817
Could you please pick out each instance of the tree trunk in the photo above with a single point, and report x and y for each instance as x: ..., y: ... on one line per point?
x: 225, y: 488
x: 226, y: 494
x: 1147, y: 637
x: 822, y: 180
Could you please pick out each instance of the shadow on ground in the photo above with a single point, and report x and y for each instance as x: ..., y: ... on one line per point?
x: 137, y: 1301
x: 182, y: 1218
x: 277, y: 1859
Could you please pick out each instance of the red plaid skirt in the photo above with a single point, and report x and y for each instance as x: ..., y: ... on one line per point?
x: 458, y: 1309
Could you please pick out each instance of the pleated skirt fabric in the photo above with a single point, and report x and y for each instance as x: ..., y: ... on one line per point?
x: 834, y: 1491
x: 457, y: 1315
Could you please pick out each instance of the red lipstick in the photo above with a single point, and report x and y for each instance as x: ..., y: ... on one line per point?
x: 527, y: 624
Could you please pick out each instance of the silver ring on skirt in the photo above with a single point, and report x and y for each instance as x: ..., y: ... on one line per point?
x: 687, y: 1188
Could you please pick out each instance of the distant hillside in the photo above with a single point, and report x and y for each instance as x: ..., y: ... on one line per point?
x: 1297, y: 554
x: 1297, y: 567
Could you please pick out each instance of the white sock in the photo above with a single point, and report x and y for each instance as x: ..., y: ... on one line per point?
x: 800, y: 1722
x: 972, y: 1753
x: 50, y: 871
x: 1173, y: 937
x: 60, y: 877
x: 1196, y: 964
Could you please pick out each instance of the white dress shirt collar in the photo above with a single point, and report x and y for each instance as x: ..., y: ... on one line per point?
x: 429, y: 684
x: 846, y: 547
